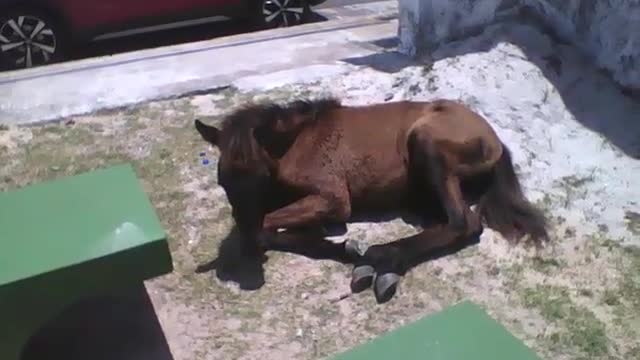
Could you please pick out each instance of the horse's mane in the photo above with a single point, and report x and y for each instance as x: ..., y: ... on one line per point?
x: 237, y: 137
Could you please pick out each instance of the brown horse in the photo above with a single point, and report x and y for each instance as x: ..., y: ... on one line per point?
x: 308, y: 163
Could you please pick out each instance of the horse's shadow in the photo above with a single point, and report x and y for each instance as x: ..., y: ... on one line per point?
x: 232, y: 266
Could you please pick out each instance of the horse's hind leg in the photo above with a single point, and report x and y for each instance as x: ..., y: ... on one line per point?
x: 433, y: 162
x: 390, y: 260
x: 394, y: 259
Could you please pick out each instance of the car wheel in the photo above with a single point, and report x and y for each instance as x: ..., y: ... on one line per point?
x: 28, y: 39
x: 283, y: 13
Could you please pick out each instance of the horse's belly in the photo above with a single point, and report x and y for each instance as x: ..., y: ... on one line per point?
x: 385, y: 189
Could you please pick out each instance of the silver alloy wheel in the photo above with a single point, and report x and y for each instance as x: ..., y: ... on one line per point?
x: 282, y: 13
x: 27, y: 41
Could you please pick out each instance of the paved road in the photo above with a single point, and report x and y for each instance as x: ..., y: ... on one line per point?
x: 335, y: 3
x: 178, y: 36
x: 356, y: 33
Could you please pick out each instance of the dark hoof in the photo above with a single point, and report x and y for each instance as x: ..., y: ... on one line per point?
x: 362, y: 278
x: 354, y: 248
x: 385, y: 286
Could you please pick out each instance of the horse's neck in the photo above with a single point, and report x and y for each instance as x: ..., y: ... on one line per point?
x: 275, y: 146
x: 278, y: 141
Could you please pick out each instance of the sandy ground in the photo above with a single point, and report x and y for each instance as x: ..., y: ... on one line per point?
x: 575, y: 139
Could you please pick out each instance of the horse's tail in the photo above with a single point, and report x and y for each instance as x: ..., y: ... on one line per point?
x: 505, y: 207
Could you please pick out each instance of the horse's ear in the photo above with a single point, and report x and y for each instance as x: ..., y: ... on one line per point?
x: 209, y: 133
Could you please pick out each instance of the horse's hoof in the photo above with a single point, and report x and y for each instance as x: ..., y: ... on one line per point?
x: 362, y: 278
x: 354, y: 248
x: 385, y: 286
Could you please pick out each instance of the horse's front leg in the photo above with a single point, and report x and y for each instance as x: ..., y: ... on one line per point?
x: 311, y: 242
x: 312, y: 211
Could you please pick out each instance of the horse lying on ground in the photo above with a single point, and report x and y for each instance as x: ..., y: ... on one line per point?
x: 304, y: 164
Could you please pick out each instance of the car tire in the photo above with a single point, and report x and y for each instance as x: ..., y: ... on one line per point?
x: 28, y: 39
x: 271, y: 14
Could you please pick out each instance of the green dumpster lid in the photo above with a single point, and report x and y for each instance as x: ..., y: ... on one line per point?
x: 73, y: 220
x: 461, y: 332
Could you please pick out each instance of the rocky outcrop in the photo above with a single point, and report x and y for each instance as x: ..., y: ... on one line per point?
x: 608, y: 31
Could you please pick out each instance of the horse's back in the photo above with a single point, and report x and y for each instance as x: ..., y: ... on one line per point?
x: 376, y: 137
x: 376, y: 126
x: 364, y: 146
x: 454, y: 122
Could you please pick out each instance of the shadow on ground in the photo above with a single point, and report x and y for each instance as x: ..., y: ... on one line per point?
x: 232, y: 266
x: 123, y: 326
x: 248, y: 272
x: 590, y: 94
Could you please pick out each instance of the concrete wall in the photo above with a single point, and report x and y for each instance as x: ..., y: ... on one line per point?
x: 607, y: 30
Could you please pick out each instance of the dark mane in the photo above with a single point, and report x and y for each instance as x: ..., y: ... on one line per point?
x: 238, y: 127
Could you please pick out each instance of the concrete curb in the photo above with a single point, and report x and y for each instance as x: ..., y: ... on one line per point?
x: 84, y: 86
x: 199, y: 46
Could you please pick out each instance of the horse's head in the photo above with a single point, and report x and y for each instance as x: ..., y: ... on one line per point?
x: 245, y: 171
x: 251, y: 142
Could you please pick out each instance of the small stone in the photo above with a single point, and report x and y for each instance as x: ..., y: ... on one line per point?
x: 55, y: 168
x: 494, y: 271
x: 304, y: 296
x: 340, y: 297
x: 299, y: 333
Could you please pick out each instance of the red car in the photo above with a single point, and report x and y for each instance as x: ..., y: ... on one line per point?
x: 37, y: 32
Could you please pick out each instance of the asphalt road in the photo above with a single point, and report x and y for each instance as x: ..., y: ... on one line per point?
x: 178, y: 36
x: 335, y: 3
